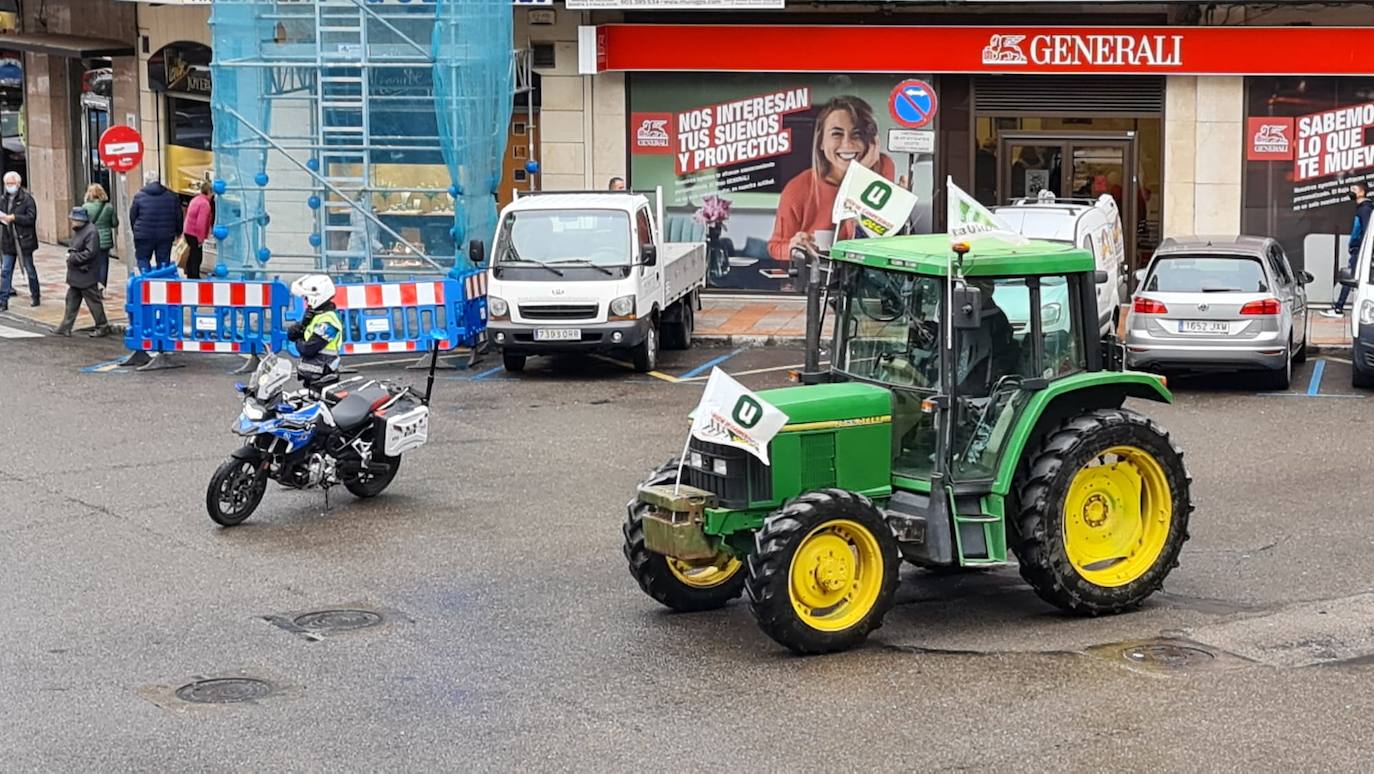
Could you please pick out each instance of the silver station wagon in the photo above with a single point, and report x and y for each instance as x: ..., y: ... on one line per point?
x: 1219, y: 304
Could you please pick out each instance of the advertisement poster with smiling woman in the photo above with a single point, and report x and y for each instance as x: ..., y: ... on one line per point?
x: 751, y: 163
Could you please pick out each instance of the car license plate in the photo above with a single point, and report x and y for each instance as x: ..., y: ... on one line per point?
x: 557, y: 334
x: 1204, y: 326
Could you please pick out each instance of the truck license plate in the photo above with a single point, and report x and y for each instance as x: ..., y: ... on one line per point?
x: 557, y: 334
x: 1204, y: 326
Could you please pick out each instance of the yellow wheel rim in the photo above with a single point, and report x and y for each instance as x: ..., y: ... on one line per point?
x: 836, y: 575
x: 705, y: 576
x: 1117, y: 516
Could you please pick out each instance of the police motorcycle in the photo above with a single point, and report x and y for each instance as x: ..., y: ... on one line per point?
x: 351, y: 432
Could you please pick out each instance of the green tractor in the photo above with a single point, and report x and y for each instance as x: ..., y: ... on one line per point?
x: 943, y: 432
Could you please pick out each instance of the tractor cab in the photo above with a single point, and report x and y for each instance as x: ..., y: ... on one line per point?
x: 969, y: 408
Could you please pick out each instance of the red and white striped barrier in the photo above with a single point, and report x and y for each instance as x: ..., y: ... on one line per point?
x: 389, y: 294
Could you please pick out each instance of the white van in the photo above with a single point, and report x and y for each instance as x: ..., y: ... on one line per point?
x: 1094, y: 226
x: 1361, y: 305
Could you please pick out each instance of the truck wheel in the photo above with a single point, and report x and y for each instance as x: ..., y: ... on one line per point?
x: 678, y: 333
x: 1104, y: 512
x: 1361, y: 378
x: 824, y: 573
x: 682, y: 586
x: 646, y: 353
x: 513, y: 363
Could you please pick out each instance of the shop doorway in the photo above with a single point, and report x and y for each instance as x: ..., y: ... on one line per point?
x: 1079, y: 166
x: 97, y: 88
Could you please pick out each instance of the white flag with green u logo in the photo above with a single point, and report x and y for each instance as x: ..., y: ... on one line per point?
x: 880, y: 205
x: 730, y: 414
x: 969, y: 221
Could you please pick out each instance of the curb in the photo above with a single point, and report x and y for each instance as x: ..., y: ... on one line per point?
x: 116, y: 329
x: 737, y: 340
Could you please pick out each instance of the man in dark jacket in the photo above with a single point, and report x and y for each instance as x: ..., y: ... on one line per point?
x: 83, y: 275
x: 155, y: 217
x: 1364, y: 219
x: 18, y: 238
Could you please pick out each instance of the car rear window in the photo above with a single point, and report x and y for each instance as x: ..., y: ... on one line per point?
x: 1207, y: 274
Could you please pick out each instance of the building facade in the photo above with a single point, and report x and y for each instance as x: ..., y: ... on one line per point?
x: 1247, y: 119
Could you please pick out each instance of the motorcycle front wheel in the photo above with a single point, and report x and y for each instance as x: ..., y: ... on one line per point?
x: 234, y: 492
x: 371, y: 484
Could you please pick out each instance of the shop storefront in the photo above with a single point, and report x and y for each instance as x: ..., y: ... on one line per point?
x: 179, y: 76
x: 1152, y: 116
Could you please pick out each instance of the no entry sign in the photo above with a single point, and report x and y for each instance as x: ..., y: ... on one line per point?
x: 121, y: 148
x: 913, y: 104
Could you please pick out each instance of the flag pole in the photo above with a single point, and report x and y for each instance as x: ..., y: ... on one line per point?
x: 682, y: 461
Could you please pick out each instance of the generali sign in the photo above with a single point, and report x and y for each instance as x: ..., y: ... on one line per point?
x: 999, y: 49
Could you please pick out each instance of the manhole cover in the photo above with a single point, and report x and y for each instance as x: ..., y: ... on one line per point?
x: 224, y: 690
x: 325, y: 621
x: 1167, y: 655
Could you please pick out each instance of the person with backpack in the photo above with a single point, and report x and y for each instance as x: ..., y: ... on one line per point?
x: 105, y: 220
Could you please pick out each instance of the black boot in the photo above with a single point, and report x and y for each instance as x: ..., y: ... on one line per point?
x: 63, y: 332
x: 34, y: 302
x: 100, y: 332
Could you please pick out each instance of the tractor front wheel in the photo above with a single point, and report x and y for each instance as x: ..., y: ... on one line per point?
x: 686, y: 587
x: 1104, y: 513
x: 824, y: 573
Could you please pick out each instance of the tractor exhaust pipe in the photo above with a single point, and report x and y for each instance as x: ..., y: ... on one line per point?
x: 810, y: 262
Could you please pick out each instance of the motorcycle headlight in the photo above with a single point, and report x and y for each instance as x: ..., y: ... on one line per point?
x: 254, y: 412
x: 497, y: 306
x: 1367, y: 313
x: 623, y: 306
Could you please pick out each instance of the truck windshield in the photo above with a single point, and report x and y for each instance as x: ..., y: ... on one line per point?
x: 890, y: 328
x: 598, y: 237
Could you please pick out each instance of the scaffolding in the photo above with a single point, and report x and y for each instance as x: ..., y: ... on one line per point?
x: 362, y: 138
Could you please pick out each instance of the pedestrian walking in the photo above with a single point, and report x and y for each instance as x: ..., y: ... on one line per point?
x: 105, y: 220
x: 82, y: 275
x: 155, y: 217
x: 199, y: 219
x: 18, y: 238
x: 1364, y: 213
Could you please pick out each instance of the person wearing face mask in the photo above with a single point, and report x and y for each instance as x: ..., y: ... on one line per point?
x: 1364, y: 213
x: 846, y: 133
x: 18, y: 238
x: 83, y: 275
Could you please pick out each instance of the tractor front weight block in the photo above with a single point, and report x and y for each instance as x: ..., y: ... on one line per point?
x: 673, y: 522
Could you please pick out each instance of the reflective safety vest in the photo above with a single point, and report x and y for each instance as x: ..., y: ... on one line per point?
x: 327, y: 326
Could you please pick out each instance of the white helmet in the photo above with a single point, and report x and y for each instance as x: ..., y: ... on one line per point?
x: 316, y: 289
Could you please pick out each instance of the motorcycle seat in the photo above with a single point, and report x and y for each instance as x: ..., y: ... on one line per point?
x: 353, y: 411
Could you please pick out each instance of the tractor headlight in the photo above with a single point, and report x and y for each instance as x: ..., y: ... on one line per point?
x: 719, y: 466
x: 1367, y: 313
x: 695, y: 460
x: 497, y: 306
x: 623, y: 307
x: 1050, y: 314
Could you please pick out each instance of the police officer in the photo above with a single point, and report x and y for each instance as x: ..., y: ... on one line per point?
x: 319, y: 334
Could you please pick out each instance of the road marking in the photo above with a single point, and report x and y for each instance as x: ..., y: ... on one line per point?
x: 1340, y: 360
x: 755, y: 371
x: 488, y: 372
x: 17, y: 333
x: 630, y: 366
x: 709, y: 364
x: 104, y: 368
x: 1305, y: 395
x: 1315, y: 385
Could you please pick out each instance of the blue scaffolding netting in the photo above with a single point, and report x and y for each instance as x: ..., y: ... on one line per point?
x: 359, y: 137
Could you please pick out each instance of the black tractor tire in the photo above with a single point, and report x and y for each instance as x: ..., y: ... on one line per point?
x: 1042, y: 487
x: 677, y: 334
x: 243, y: 483
x: 657, y: 578
x: 645, y: 354
x: 370, y: 486
x: 512, y: 362
x: 1361, y: 379
x: 770, y: 579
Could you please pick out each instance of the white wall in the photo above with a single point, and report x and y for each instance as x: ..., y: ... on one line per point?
x: 1203, y: 154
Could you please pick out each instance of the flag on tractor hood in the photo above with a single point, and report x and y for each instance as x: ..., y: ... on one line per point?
x: 880, y: 205
x: 730, y: 414
x: 970, y: 221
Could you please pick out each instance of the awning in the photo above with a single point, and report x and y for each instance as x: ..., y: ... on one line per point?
x: 75, y: 46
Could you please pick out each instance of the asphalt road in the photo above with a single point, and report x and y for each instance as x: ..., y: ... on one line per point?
x: 515, y: 640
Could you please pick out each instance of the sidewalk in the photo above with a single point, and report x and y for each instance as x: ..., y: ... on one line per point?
x: 51, y: 262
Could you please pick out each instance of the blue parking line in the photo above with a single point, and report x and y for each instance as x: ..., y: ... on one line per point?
x: 487, y: 373
x: 709, y: 364
x: 1315, y: 385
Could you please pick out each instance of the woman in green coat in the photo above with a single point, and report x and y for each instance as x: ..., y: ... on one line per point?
x: 105, y: 220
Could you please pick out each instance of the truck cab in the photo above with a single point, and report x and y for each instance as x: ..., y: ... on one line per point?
x: 1094, y: 226
x: 583, y: 272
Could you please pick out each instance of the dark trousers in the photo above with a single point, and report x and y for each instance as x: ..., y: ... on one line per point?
x: 102, y: 266
x: 1345, y: 289
x: 74, y: 299
x: 145, y: 249
x: 194, y: 257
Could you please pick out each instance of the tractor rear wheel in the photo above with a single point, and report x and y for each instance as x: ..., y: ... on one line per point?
x: 687, y: 587
x: 1104, y: 512
x: 824, y: 573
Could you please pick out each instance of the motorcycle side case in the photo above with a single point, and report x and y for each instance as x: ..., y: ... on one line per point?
x: 405, y: 427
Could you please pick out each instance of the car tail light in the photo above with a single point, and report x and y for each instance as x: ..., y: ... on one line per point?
x: 1148, y: 306
x: 1263, y: 306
